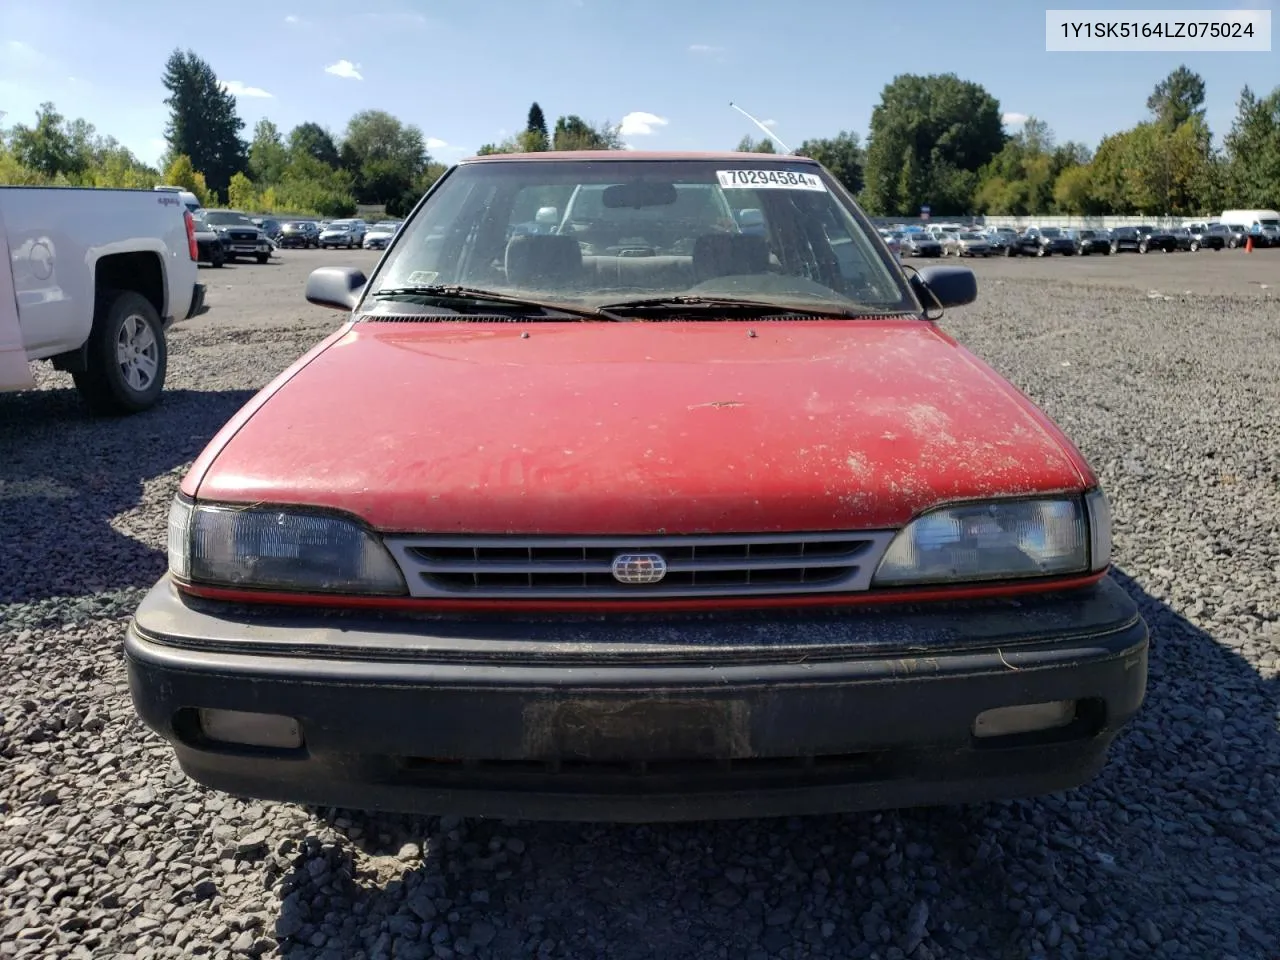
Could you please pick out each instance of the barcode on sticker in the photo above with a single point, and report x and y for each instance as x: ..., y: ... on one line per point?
x: 769, y: 180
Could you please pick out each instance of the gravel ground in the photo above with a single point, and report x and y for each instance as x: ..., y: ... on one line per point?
x: 106, y: 850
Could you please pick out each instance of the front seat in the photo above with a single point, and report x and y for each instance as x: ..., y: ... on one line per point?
x: 543, y: 260
x: 729, y: 255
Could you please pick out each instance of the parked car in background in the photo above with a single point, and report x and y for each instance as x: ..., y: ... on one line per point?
x: 209, y: 247
x: 966, y: 243
x: 1002, y: 240
x: 1046, y: 241
x: 1089, y: 241
x: 380, y: 234
x: 269, y: 226
x: 300, y: 233
x: 1212, y: 236
x: 1185, y: 239
x: 1156, y: 238
x: 920, y: 244
x: 1235, y: 234
x: 240, y: 235
x: 379, y: 571
x: 343, y: 233
x: 1124, y: 238
x: 90, y: 280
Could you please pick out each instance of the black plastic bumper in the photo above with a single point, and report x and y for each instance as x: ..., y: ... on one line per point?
x: 197, y: 302
x: 643, y: 718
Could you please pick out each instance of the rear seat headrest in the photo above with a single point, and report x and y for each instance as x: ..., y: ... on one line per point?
x: 543, y: 259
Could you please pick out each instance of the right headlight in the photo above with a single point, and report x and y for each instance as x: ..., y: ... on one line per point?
x: 1000, y: 540
x: 278, y: 549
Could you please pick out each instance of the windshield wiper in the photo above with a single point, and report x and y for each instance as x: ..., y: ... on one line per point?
x: 454, y: 296
x: 733, y: 305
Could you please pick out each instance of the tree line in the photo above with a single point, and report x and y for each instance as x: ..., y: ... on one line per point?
x: 939, y: 141
x: 935, y: 140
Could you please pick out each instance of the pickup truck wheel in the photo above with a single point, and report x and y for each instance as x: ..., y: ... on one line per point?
x: 127, y: 355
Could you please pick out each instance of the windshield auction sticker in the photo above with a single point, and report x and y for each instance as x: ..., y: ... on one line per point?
x: 769, y: 180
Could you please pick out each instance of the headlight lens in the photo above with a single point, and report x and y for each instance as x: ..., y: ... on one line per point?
x: 989, y: 541
x: 278, y: 549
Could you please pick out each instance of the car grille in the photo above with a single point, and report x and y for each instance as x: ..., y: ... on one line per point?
x: 582, y: 567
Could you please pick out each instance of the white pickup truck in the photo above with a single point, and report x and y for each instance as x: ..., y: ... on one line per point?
x: 90, y: 279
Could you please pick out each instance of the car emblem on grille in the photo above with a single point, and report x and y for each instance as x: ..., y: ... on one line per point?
x: 639, y: 567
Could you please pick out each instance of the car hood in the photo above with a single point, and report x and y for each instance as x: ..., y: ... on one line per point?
x: 636, y: 428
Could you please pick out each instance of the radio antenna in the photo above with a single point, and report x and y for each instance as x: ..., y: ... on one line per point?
x: 767, y: 132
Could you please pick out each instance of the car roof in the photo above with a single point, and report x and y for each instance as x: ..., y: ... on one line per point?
x: 723, y: 156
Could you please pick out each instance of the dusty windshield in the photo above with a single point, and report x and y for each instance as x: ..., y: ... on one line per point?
x: 592, y: 233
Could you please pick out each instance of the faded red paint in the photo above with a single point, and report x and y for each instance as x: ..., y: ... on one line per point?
x: 637, y: 428
x: 955, y: 594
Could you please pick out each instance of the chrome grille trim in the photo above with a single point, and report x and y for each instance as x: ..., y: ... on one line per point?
x: 566, y: 568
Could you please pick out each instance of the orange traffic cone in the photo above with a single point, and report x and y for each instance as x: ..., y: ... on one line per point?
x: 1248, y: 243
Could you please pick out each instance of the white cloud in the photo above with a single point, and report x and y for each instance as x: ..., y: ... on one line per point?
x: 292, y: 18
x: 1013, y: 119
x: 638, y: 123
x: 435, y: 143
x: 345, y: 69
x: 238, y: 89
x: 704, y: 48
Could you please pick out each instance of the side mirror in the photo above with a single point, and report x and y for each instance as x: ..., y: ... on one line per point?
x: 948, y: 286
x: 336, y: 287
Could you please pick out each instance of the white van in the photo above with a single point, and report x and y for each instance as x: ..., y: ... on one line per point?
x: 1262, y: 225
x: 188, y: 198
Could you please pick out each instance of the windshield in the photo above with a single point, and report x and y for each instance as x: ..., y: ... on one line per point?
x: 587, y: 233
x: 225, y: 218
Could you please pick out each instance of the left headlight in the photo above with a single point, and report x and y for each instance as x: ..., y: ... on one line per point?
x: 278, y: 550
x: 1001, y: 540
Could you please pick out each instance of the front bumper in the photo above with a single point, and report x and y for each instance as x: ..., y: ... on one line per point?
x: 634, y: 718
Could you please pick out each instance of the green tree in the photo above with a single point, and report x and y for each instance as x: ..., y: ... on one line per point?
x: 242, y: 194
x: 385, y: 155
x: 536, y: 130
x: 313, y: 140
x: 46, y: 148
x: 929, y: 136
x: 203, y: 123
x: 1177, y: 98
x: 841, y: 154
x: 574, y: 133
x: 267, y: 154
x: 747, y: 145
x: 1251, y: 171
x: 182, y: 173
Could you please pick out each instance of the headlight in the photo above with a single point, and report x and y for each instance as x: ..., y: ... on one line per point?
x: 278, y: 550
x: 993, y: 541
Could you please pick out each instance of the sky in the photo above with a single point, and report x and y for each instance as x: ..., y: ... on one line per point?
x: 465, y: 71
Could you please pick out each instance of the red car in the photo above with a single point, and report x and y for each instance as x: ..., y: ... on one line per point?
x: 641, y: 518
